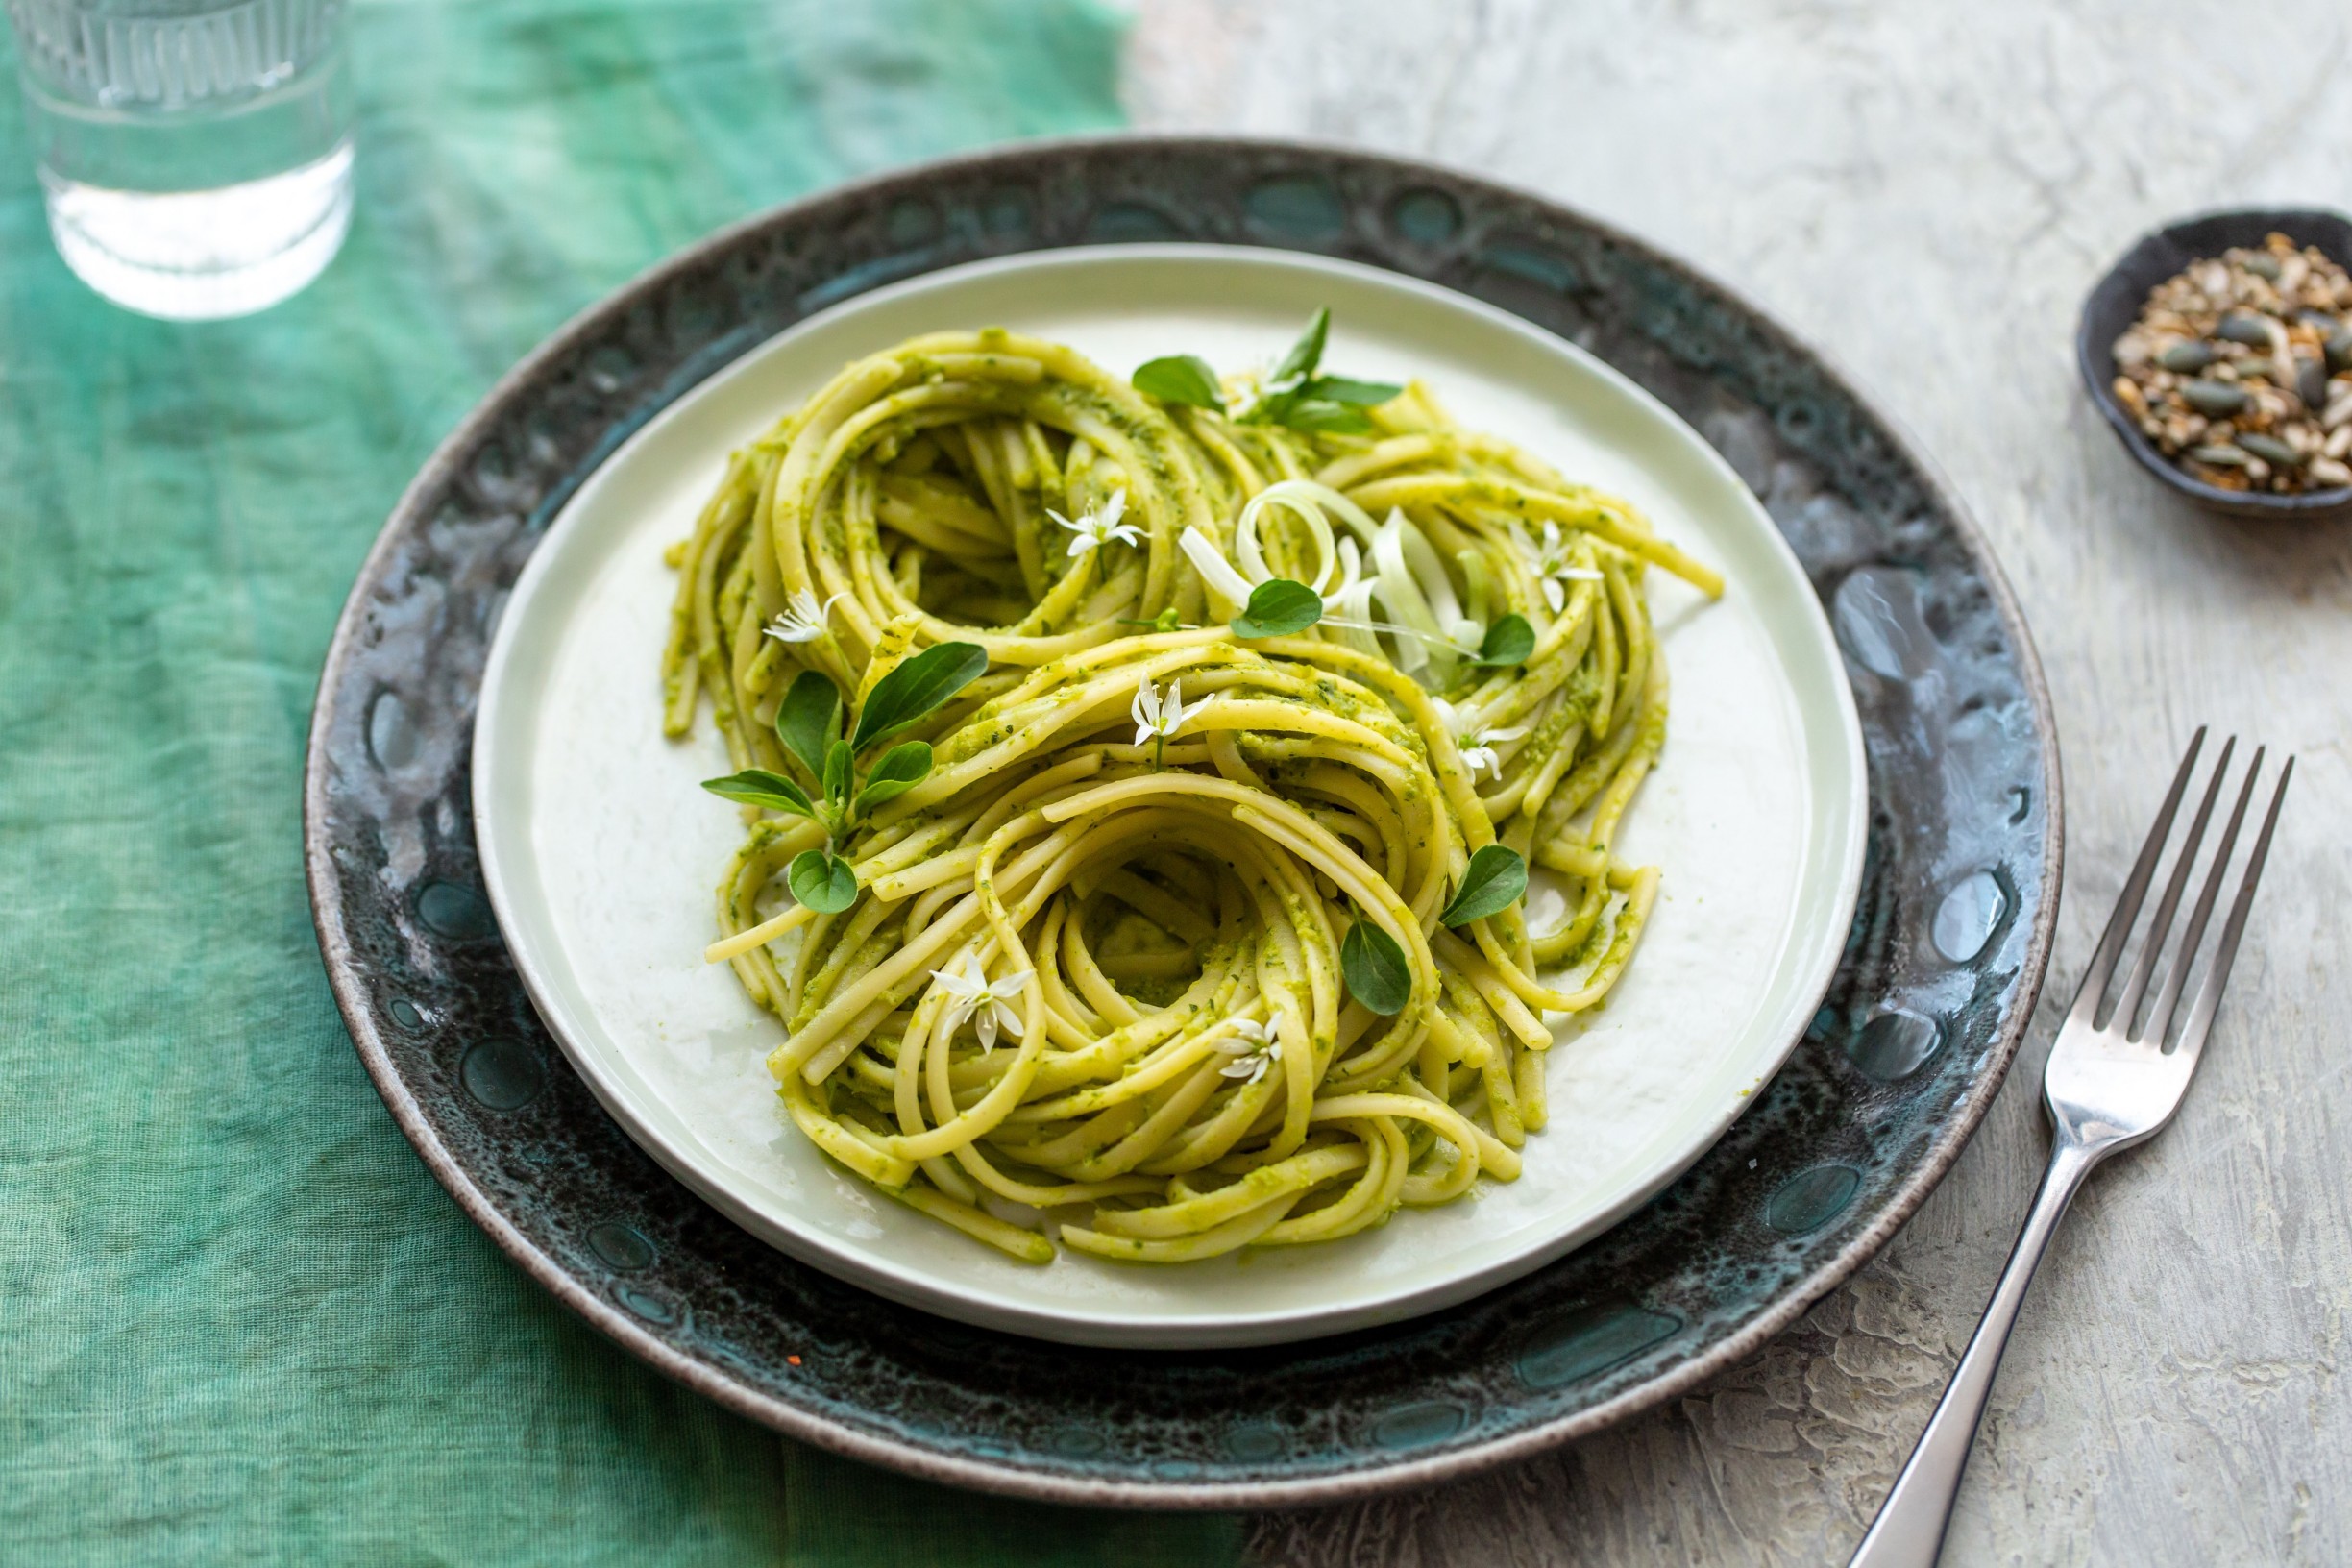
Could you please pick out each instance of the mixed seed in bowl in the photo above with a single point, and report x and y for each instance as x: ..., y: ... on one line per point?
x: 2240, y: 369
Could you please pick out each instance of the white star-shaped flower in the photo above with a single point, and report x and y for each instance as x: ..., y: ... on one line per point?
x: 1156, y: 717
x: 1480, y: 753
x: 803, y: 619
x: 988, y: 1003
x: 1100, y: 527
x: 1553, y: 564
x: 1253, y: 1047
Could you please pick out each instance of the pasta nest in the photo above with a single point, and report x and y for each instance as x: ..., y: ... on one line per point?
x: 1092, y: 982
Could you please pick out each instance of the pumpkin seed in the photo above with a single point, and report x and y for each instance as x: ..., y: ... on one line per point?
x: 2214, y: 399
x: 2186, y: 356
x: 2311, y: 383
x: 2340, y: 352
x: 2270, y: 450
x: 2263, y: 265
x: 2239, y: 327
x: 2219, y: 456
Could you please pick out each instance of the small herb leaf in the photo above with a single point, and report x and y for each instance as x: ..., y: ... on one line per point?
x: 837, y: 774
x: 916, y: 687
x: 758, y: 787
x: 1304, y: 355
x: 1295, y: 396
x: 901, y: 767
x: 1166, y: 621
x: 824, y: 882
x: 1495, y: 879
x: 806, y: 719
x: 1375, y: 969
x: 1322, y: 416
x: 1508, y: 641
x: 1181, y: 378
x: 1279, y: 608
x: 1348, y: 390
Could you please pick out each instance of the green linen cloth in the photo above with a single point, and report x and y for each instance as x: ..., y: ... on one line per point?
x: 239, y: 1321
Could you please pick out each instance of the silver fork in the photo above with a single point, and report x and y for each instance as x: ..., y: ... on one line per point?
x: 2108, y: 1086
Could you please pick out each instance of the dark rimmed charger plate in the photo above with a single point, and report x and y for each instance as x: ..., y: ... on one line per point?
x: 1945, y: 957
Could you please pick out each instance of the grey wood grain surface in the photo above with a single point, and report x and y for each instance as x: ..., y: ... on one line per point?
x: 1926, y: 191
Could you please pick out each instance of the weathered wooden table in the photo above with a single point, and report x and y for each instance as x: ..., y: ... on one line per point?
x: 1926, y: 192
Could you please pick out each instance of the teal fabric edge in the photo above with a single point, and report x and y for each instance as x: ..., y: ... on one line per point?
x: 245, y: 1324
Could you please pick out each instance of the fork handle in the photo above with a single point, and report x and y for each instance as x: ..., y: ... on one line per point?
x: 1909, y: 1529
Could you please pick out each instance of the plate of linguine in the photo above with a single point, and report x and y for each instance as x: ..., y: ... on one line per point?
x: 1169, y: 796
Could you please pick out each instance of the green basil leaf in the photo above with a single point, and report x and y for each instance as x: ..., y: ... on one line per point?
x: 837, y: 774
x: 758, y: 787
x: 1508, y: 641
x: 806, y: 719
x: 824, y: 882
x: 1348, y: 390
x: 1306, y: 353
x: 1321, y: 415
x: 916, y: 687
x: 1279, y: 608
x: 1493, y: 882
x: 1375, y: 969
x: 901, y: 769
x: 1270, y: 410
x: 1181, y: 378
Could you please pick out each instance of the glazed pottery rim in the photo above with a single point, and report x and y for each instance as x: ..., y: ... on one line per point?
x: 342, y: 959
x: 2096, y: 361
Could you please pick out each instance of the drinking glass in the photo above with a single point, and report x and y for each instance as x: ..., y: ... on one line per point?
x: 196, y: 153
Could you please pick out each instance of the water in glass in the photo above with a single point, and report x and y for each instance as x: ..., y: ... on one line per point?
x: 196, y: 154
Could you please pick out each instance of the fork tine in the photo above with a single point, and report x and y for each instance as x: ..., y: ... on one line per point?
x: 2094, y: 988
x: 2160, y: 1017
x: 2217, y: 973
x: 2160, y: 925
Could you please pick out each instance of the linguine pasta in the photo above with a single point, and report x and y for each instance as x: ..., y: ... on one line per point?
x: 1180, y: 939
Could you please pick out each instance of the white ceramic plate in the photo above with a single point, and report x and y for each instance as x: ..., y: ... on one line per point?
x: 600, y: 853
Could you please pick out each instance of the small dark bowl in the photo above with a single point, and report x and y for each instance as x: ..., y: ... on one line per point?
x: 2115, y: 305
